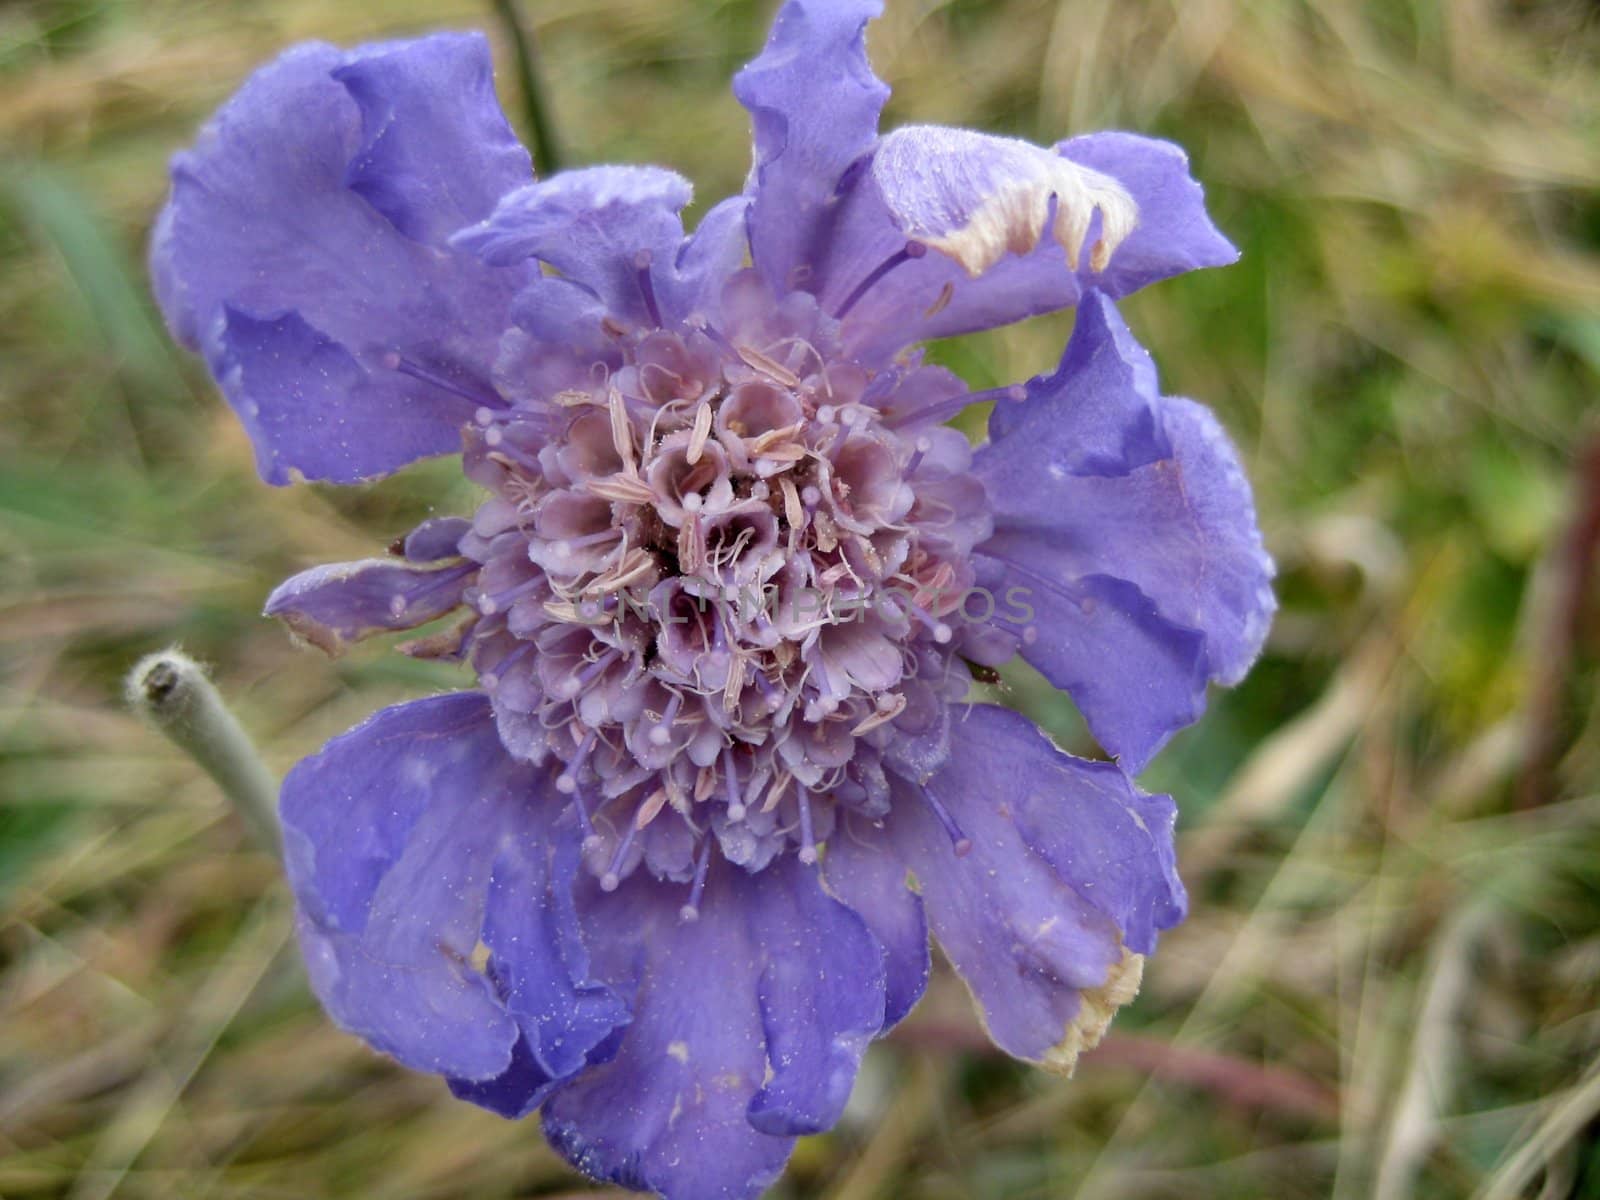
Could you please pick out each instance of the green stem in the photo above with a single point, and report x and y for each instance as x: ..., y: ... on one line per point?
x: 171, y: 691
x: 546, y: 154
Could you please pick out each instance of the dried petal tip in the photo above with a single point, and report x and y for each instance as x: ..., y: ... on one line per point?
x: 976, y: 198
x: 1096, y: 1007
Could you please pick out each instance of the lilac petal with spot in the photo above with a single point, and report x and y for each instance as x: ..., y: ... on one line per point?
x: 860, y: 870
x: 436, y: 151
x: 1129, y: 518
x: 409, y: 841
x: 389, y: 835
x: 611, y: 229
x: 347, y: 347
x: 814, y: 104
x: 1041, y: 930
x: 1010, y: 230
x: 333, y: 605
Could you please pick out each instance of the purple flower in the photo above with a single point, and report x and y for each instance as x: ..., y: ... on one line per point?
x: 673, y: 865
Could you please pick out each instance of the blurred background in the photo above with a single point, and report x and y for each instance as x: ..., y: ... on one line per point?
x: 1390, y: 983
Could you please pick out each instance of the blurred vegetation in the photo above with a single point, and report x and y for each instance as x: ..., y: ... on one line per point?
x: 1390, y: 983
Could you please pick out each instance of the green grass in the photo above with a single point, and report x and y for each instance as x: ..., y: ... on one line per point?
x: 1388, y: 985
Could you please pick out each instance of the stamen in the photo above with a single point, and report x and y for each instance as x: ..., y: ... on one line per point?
x: 621, y: 429
x: 911, y: 250
x: 492, y: 677
x: 500, y: 601
x: 662, y: 733
x: 697, y: 437
x: 889, y: 706
x: 691, y: 909
x: 779, y: 786
x: 794, y: 512
x: 610, y: 881
x: 768, y: 366
x: 484, y: 397
x: 808, y: 845
x: 941, y: 411
x: 942, y: 633
x: 758, y: 782
x: 567, y: 781
x: 641, y: 265
x: 923, y: 445
x: 565, y: 546
x: 574, y: 684
x: 651, y: 808
x: 959, y: 841
x: 736, y: 809
x: 698, y: 321
x: 590, y: 838
x: 770, y: 694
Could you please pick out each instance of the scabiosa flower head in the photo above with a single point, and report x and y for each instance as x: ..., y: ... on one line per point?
x: 673, y: 862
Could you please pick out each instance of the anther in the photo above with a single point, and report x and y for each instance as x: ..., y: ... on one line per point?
x: 923, y: 445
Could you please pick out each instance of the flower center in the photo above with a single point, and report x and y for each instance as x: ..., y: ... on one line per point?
x: 721, y: 583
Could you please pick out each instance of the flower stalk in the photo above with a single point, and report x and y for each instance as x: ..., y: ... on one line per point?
x: 170, y: 691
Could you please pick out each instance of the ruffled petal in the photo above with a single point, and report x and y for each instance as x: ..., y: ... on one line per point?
x: 433, y: 876
x: 1068, y: 878
x: 1174, y: 233
x: 536, y: 952
x: 436, y: 151
x: 611, y: 229
x: 949, y: 231
x: 348, y: 347
x: 668, y: 1112
x: 389, y: 835
x: 864, y: 875
x: 333, y: 605
x: 516, y: 1092
x: 706, y: 260
x: 821, y: 993
x: 1136, y: 676
x: 814, y: 104
x: 773, y: 1044
x: 1128, y: 520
